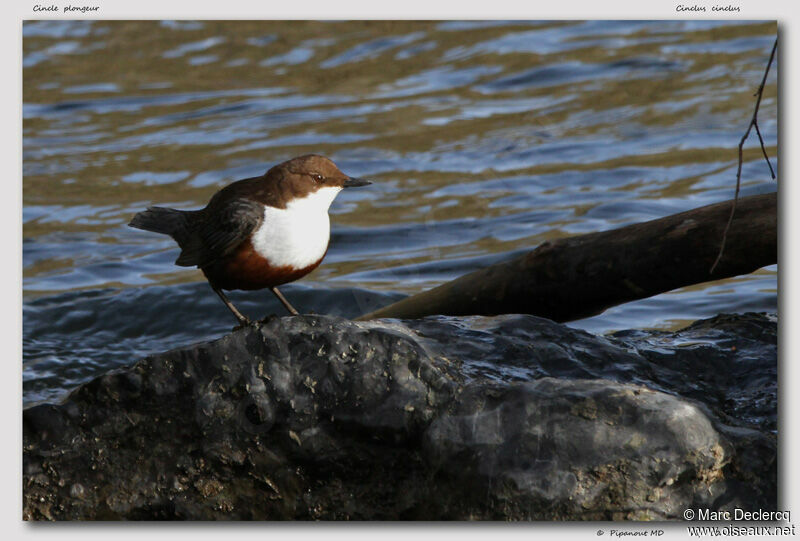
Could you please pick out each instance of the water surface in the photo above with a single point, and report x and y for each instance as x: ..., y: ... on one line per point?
x: 482, y: 138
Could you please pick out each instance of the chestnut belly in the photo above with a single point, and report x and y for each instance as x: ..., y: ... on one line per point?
x: 246, y: 269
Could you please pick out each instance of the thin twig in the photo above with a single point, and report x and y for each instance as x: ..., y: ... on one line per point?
x: 753, y: 123
x: 764, y: 151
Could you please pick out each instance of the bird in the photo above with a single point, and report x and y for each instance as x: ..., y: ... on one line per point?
x: 259, y: 232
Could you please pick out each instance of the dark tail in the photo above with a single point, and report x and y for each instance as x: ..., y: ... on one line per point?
x: 161, y: 220
x: 172, y: 222
x: 175, y: 223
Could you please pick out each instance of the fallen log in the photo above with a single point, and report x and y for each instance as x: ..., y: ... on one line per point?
x: 581, y: 276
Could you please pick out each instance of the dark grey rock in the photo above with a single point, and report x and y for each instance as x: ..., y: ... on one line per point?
x: 509, y: 418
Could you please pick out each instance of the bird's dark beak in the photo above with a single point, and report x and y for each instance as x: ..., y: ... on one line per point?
x: 355, y: 182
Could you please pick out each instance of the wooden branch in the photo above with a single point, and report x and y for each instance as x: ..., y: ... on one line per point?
x: 753, y: 123
x: 581, y: 276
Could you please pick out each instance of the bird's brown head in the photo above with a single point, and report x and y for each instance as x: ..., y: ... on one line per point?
x: 307, y: 174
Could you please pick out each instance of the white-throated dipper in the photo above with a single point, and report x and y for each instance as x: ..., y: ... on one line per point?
x: 259, y: 232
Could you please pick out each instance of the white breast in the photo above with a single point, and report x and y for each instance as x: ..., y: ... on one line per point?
x: 298, y: 235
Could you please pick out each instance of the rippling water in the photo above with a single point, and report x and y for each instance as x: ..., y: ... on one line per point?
x: 483, y: 138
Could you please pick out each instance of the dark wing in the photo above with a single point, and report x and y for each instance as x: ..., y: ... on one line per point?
x: 222, y: 230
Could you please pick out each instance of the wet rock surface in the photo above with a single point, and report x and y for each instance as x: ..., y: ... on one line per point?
x: 504, y: 418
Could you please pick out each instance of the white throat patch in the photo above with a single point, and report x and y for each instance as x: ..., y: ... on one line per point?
x: 298, y: 235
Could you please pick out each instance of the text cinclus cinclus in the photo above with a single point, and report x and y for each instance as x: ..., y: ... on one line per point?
x: 258, y: 232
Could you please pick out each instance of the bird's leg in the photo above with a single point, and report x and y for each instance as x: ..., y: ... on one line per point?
x: 284, y: 301
x: 243, y: 321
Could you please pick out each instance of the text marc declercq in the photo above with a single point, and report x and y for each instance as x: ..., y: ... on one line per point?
x: 740, y: 514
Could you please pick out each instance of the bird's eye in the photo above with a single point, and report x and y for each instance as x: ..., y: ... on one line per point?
x: 317, y: 177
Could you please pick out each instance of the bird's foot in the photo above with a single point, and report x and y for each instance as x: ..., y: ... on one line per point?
x: 245, y: 322
x: 268, y: 318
